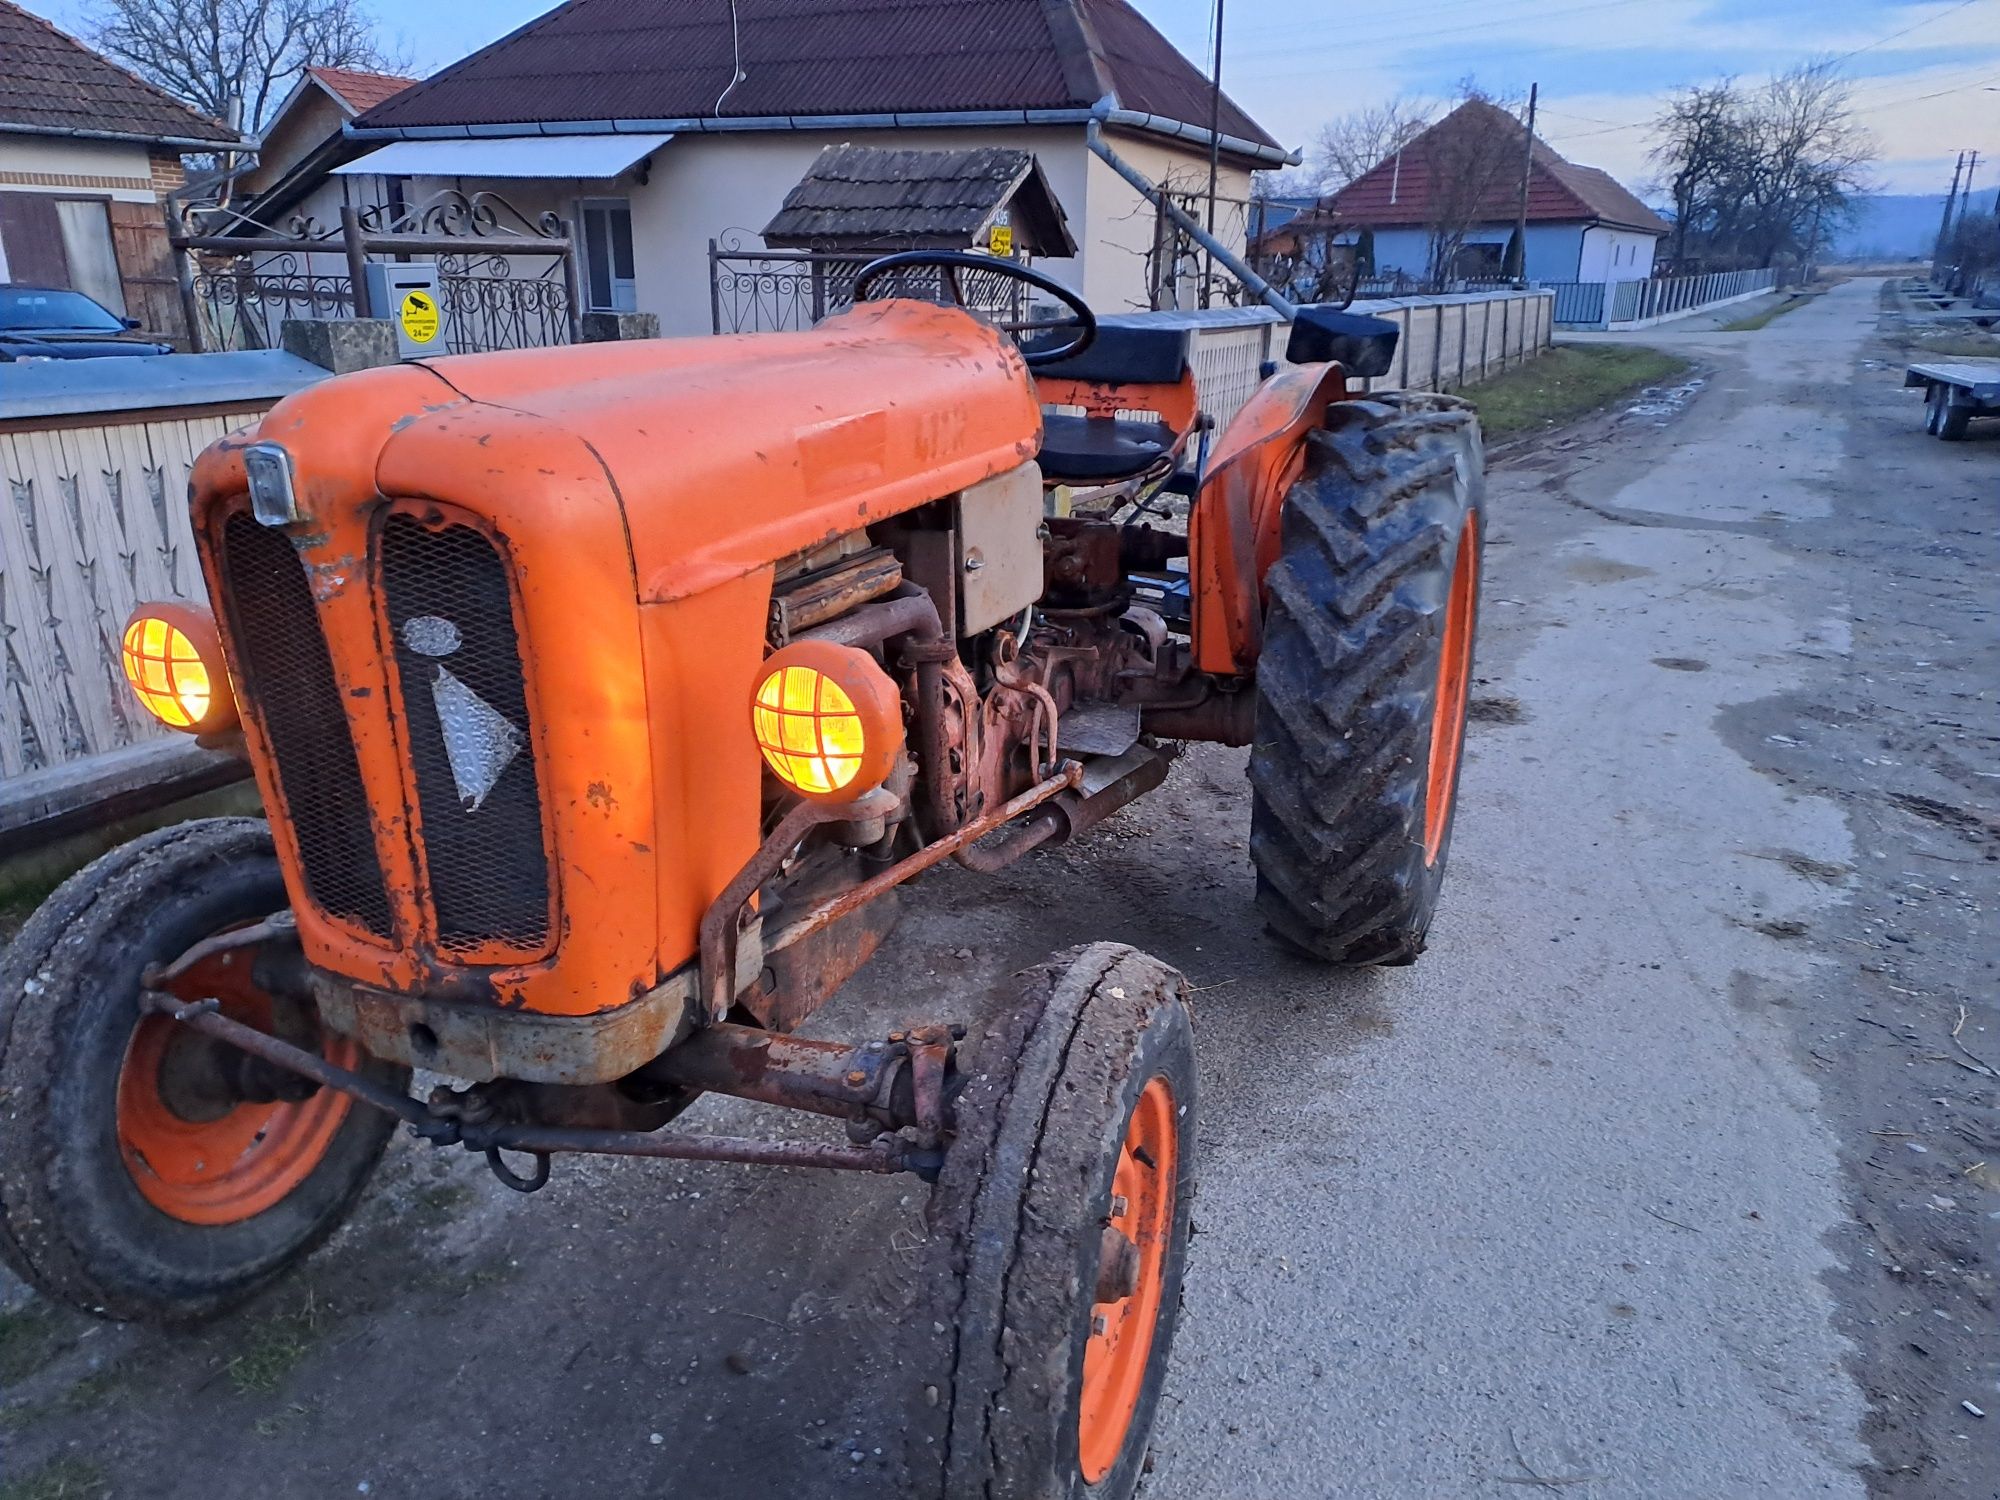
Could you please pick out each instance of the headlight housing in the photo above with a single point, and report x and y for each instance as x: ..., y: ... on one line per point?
x: 172, y: 656
x: 828, y: 720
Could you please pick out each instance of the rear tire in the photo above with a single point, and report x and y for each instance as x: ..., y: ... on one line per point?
x: 1077, y: 1117
x: 1364, y: 678
x: 87, y: 1215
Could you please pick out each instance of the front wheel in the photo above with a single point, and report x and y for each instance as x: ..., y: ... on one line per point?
x: 1363, y: 681
x: 1059, y: 1233
x: 145, y: 1171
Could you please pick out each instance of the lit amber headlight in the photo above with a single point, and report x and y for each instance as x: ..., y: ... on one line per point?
x: 828, y: 719
x: 173, y: 659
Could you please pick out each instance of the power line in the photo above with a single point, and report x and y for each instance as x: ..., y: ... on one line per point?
x: 1345, y: 43
x: 1927, y: 20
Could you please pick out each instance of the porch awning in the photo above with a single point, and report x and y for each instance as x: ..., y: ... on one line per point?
x: 593, y: 157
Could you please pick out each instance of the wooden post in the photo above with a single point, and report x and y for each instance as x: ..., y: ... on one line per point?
x: 1506, y: 308
x: 1464, y: 313
x: 1437, y: 348
x: 357, y: 259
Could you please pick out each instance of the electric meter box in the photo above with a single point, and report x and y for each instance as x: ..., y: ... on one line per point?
x: 409, y: 297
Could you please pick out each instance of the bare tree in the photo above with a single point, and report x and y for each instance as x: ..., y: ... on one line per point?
x: 1472, y: 165
x: 1697, y: 145
x: 1761, y: 174
x: 235, y: 60
x: 1348, y: 146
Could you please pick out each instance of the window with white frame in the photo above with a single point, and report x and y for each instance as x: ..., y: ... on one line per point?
x: 608, y: 280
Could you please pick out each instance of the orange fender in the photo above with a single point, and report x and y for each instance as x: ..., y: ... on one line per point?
x: 1233, y: 526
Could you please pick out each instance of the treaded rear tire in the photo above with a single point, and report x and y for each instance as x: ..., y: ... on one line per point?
x: 1348, y: 677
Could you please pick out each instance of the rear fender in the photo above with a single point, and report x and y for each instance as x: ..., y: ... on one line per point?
x: 1233, y: 527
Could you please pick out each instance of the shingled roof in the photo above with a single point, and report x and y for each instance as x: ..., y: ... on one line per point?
x: 53, y: 84
x: 640, y: 63
x: 1397, y: 190
x: 356, y: 90
x: 869, y: 197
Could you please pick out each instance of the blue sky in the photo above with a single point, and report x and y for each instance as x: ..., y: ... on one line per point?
x: 1922, y: 68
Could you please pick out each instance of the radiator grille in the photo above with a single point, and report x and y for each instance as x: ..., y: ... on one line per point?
x: 465, y: 701
x: 290, y: 683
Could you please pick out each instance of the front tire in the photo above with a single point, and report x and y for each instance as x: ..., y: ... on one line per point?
x: 1059, y: 1234
x: 1364, y: 678
x: 136, y: 1181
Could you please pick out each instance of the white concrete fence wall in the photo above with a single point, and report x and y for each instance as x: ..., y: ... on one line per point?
x: 1443, y: 343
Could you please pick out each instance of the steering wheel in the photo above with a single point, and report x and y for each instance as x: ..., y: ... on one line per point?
x: 998, y: 304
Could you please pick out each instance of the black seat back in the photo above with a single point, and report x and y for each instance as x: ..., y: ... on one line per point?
x: 1123, y: 355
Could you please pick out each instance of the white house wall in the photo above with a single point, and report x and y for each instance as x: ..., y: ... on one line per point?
x: 1615, y: 255
x: 119, y: 170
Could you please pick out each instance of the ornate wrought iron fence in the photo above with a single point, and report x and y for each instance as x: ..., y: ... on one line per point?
x: 764, y: 291
x: 506, y: 281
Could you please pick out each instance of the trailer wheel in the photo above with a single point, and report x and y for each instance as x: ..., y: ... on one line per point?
x: 1059, y: 1234
x: 1364, y: 677
x: 138, y: 1179
x: 1941, y: 418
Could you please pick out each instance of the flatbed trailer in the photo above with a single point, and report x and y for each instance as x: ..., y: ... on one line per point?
x: 1955, y: 391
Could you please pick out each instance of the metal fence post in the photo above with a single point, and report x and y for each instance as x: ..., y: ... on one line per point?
x: 714, y: 290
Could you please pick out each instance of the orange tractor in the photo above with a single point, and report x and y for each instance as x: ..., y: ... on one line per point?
x: 602, y: 700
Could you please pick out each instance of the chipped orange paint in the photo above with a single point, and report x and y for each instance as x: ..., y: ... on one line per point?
x: 1233, y: 526
x: 642, y: 492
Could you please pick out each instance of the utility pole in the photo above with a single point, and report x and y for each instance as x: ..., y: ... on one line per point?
x: 1944, y: 227
x: 1214, y: 151
x: 1965, y: 198
x: 1527, y: 171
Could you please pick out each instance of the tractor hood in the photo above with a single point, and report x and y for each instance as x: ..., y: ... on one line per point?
x: 730, y: 452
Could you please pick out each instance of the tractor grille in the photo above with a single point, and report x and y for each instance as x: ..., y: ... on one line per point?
x: 465, y: 702
x: 290, y: 680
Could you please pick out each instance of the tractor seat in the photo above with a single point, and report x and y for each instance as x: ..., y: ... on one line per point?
x: 1101, y: 449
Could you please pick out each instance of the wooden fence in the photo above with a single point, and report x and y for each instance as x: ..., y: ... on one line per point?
x: 94, y: 457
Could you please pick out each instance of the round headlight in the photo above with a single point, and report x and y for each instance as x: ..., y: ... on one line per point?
x: 827, y: 719
x: 173, y: 659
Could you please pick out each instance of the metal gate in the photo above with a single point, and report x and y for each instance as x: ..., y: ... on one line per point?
x: 506, y: 281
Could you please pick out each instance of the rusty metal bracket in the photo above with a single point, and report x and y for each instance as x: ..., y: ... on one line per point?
x: 723, y: 920
x: 930, y: 1051
x: 832, y: 910
x: 278, y: 924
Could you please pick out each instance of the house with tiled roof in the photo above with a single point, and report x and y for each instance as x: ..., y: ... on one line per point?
x: 304, y: 141
x: 1583, y: 224
x: 660, y: 126
x: 88, y: 153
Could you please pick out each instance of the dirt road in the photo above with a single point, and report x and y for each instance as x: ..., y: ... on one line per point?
x: 1657, y: 1177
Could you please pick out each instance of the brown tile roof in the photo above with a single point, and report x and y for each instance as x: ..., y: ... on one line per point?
x: 51, y: 81
x: 591, y: 60
x: 1398, y: 192
x: 357, y: 90
x: 872, y: 196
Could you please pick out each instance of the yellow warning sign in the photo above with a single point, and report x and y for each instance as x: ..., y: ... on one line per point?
x: 1000, y: 240
x: 420, y: 317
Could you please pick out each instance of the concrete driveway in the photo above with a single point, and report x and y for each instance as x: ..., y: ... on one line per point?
x: 1618, y: 1192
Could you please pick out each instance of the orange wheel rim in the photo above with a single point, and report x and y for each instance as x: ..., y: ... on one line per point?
x: 1454, y: 682
x: 1122, y: 1327
x: 233, y: 1159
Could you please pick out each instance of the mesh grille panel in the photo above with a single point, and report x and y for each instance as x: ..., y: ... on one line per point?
x: 465, y: 701
x: 291, y: 686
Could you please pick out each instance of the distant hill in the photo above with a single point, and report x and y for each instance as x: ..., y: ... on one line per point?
x: 1899, y: 226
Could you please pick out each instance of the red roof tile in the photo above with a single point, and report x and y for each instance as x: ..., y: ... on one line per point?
x: 357, y: 90
x: 593, y: 60
x: 1397, y: 190
x: 51, y: 81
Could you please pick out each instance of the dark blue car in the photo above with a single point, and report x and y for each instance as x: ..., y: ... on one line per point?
x: 38, y: 322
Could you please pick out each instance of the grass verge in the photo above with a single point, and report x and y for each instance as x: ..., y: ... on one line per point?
x: 1570, y: 381
x: 1757, y: 320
